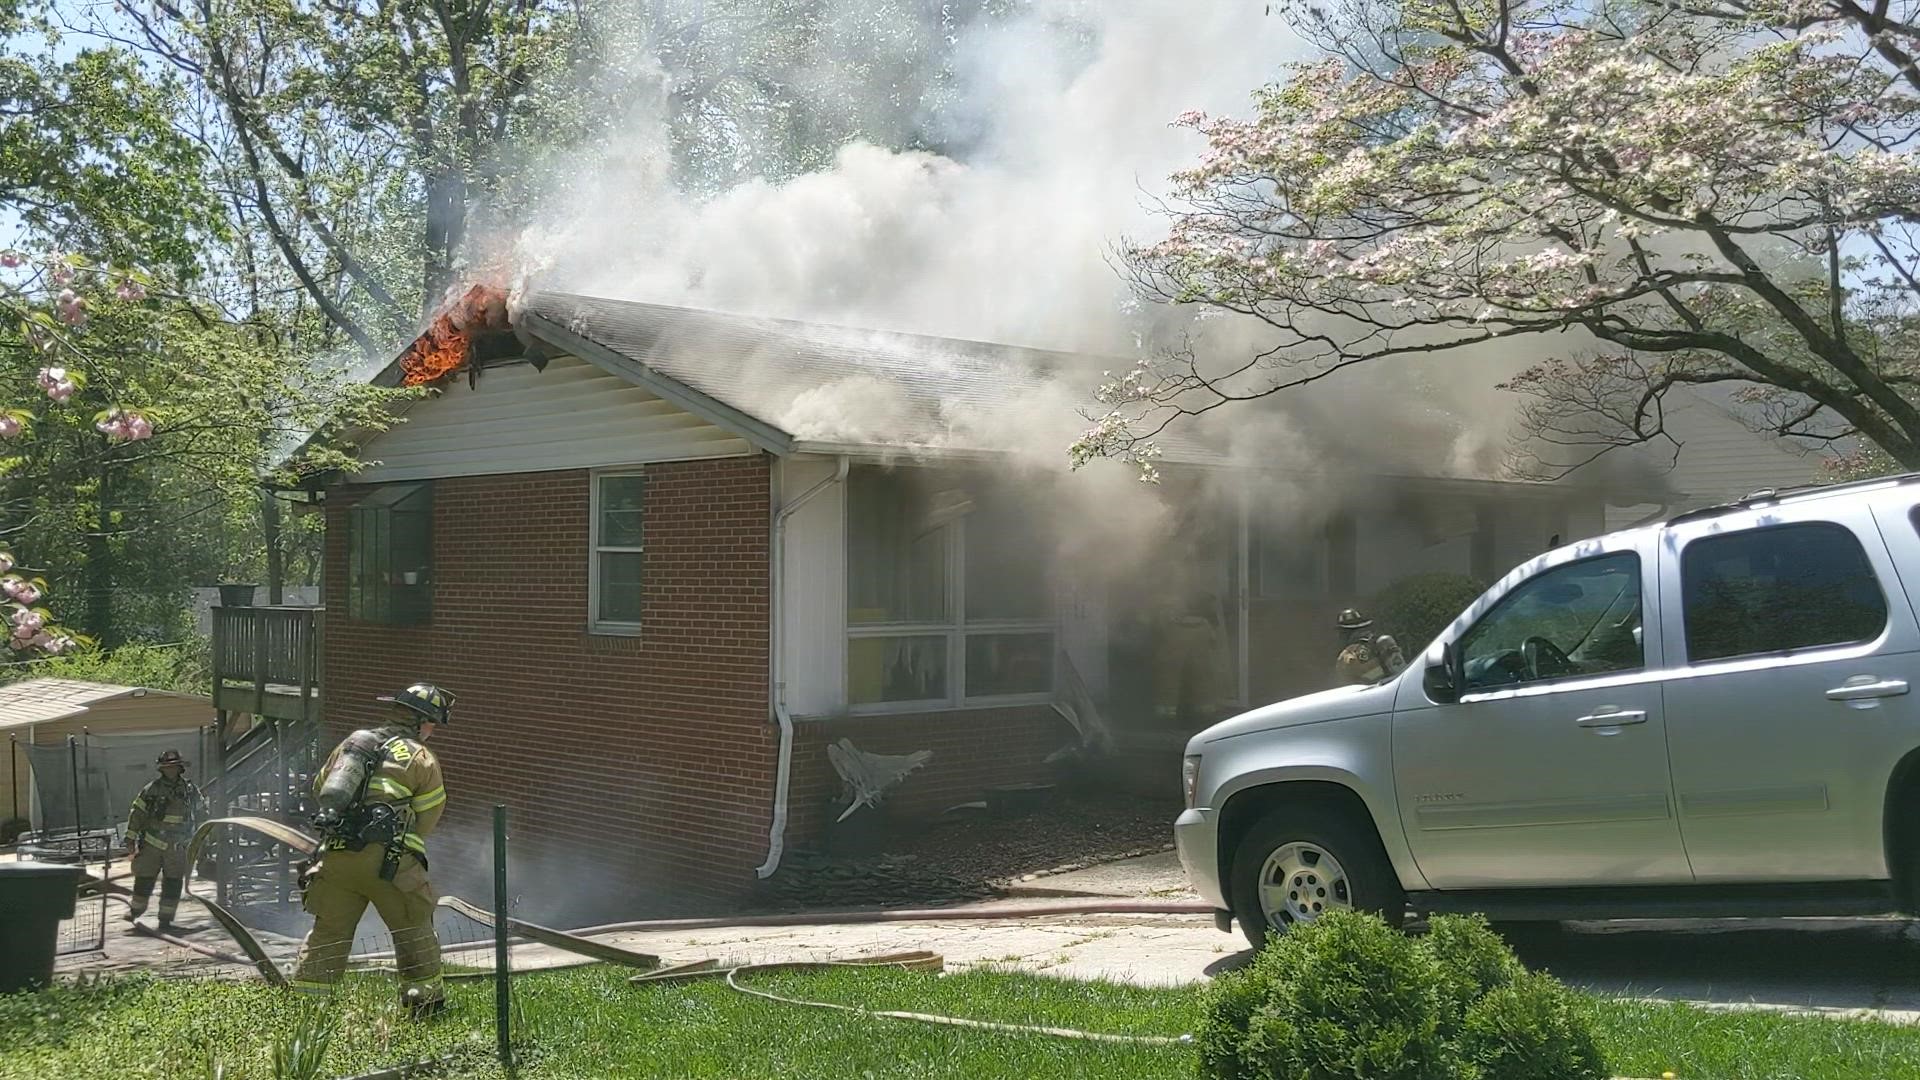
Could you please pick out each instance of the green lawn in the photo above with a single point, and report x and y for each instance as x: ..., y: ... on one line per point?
x: 588, y: 1022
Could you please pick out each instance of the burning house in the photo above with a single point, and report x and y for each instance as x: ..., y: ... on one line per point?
x: 667, y: 557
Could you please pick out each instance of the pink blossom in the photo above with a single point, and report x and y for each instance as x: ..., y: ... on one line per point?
x: 121, y: 425
x: 50, y: 377
x: 63, y: 274
x: 20, y: 590
x: 10, y: 427
x: 131, y: 291
x: 12, y: 260
x: 28, y: 622
x: 6, y: 561
x: 62, y: 390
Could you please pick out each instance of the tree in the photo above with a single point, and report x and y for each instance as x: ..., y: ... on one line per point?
x: 1658, y: 194
x: 372, y: 146
x: 89, y: 158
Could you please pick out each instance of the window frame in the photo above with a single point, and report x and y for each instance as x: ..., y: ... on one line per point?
x: 384, y: 500
x: 595, y: 623
x: 956, y: 629
x: 1647, y: 663
x: 1686, y: 659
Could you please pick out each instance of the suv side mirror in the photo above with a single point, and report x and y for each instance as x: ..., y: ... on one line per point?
x: 1443, y: 680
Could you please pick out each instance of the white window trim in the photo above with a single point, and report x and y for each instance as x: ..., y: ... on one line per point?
x: 595, y: 624
x: 955, y: 629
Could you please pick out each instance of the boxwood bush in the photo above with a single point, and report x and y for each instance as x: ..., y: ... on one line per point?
x: 1347, y: 996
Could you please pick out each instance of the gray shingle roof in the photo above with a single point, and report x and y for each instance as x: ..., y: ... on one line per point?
x: 900, y: 390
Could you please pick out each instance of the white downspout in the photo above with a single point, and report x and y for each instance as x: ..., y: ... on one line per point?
x: 777, y: 832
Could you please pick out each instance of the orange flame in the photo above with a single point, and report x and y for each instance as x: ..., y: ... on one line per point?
x: 447, y: 344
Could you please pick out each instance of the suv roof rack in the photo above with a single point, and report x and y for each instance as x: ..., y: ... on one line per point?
x: 1775, y: 494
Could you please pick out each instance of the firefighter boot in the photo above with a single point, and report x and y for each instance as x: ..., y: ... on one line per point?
x: 170, y: 888
x: 142, y: 894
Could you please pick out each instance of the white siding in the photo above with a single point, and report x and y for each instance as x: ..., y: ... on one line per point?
x: 813, y: 608
x: 570, y: 416
x: 1720, y: 459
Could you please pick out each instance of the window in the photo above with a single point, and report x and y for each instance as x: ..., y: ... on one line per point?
x: 1777, y: 589
x: 390, y: 556
x: 619, y: 552
x: 1287, y: 562
x: 1576, y: 620
x: 948, y: 592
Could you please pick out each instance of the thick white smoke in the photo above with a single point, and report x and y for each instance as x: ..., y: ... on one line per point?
x: 1070, y: 143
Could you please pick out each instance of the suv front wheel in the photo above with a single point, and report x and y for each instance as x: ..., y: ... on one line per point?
x: 1298, y: 863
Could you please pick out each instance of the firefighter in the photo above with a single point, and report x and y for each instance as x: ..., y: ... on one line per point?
x: 1365, y: 657
x: 159, y: 826
x: 380, y: 795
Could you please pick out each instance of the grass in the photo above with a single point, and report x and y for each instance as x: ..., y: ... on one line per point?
x: 588, y: 1022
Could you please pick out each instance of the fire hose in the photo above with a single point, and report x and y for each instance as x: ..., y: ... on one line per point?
x: 576, y: 943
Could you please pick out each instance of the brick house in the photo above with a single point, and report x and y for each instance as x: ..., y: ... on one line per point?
x: 662, y: 584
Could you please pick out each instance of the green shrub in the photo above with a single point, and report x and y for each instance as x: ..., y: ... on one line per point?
x: 1471, y: 959
x: 1530, y: 1030
x: 1416, y: 608
x: 1346, y: 996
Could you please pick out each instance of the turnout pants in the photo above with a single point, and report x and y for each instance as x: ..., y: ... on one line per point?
x: 337, y: 894
x: 159, y: 859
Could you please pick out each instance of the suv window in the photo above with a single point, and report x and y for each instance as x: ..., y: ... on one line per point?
x: 1777, y: 589
x: 1574, y: 620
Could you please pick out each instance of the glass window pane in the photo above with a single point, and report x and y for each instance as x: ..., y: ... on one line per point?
x: 1579, y: 619
x: 1009, y: 664
x: 1006, y: 562
x: 1777, y: 589
x: 621, y: 574
x: 896, y: 669
x: 897, y: 537
x: 621, y: 501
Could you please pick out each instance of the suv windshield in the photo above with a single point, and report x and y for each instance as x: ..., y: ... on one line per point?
x: 1579, y: 619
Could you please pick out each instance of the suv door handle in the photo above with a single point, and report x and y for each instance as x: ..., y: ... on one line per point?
x: 1612, y: 719
x: 1860, y: 691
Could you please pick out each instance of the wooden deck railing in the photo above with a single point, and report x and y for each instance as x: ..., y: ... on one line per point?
x: 267, y: 651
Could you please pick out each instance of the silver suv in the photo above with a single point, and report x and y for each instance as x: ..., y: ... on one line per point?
x: 1707, y: 717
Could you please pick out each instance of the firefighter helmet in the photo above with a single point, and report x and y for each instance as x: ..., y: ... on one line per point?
x: 1353, y: 620
x: 427, y: 701
x: 172, y: 757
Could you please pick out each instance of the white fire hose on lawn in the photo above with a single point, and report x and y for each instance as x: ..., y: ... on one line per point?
x: 578, y: 944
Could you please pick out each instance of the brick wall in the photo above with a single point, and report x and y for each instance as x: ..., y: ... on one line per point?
x: 635, y: 769
x: 973, y: 750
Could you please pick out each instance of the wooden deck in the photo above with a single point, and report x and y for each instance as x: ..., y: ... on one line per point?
x: 267, y: 661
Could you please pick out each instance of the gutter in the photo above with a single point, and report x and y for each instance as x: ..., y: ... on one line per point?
x: 777, y: 831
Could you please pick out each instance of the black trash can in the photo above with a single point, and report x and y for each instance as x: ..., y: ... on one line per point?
x: 34, y: 897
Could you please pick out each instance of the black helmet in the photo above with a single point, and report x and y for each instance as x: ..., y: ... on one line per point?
x: 428, y: 701
x: 1353, y: 620
x: 171, y: 757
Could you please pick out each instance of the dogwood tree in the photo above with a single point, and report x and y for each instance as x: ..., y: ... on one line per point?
x: 1654, y: 194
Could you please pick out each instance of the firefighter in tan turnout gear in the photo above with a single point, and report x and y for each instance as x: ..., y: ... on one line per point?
x: 158, y: 829
x: 380, y: 795
x: 1365, y: 657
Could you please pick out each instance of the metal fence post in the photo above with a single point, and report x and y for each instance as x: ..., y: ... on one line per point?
x: 73, y: 762
x: 502, y: 974
x: 13, y: 773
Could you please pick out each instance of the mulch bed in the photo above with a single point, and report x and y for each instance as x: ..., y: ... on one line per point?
x: 968, y: 856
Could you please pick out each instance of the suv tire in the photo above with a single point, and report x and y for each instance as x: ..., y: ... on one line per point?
x: 1318, y: 859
